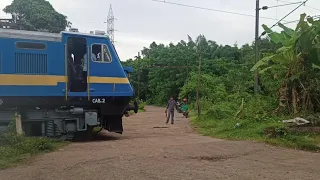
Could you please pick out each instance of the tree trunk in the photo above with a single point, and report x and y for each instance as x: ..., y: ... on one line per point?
x: 294, y: 99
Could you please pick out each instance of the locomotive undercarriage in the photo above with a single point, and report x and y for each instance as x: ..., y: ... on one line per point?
x: 68, y: 122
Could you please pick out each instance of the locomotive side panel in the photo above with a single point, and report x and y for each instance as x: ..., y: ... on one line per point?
x: 31, y: 68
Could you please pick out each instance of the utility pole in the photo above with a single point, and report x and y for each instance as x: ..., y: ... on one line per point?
x: 256, y: 75
x: 139, y: 75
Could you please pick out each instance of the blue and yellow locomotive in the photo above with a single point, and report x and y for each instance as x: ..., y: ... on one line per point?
x: 63, y: 83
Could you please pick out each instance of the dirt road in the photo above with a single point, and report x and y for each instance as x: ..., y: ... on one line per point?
x: 149, y: 149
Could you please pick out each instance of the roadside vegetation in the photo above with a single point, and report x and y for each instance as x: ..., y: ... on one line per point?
x: 142, y: 106
x: 15, y: 148
x: 289, y: 69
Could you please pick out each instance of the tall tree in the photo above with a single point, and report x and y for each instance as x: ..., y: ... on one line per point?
x: 225, y: 66
x: 37, y: 15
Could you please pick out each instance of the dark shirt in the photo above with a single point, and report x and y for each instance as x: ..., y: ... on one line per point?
x: 171, y: 105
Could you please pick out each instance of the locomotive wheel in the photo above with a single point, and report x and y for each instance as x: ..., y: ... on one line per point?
x: 89, y: 133
x: 113, y: 123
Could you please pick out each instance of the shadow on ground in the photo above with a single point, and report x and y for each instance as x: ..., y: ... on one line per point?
x: 101, y: 136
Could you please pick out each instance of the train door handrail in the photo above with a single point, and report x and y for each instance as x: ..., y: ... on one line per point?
x: 88, y: 71
x: 66, y: 69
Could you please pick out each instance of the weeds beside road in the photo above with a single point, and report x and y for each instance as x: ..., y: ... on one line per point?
x: 14, y: 148
x: 250, y: 129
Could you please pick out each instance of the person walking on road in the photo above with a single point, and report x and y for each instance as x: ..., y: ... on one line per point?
x: 170, y: 110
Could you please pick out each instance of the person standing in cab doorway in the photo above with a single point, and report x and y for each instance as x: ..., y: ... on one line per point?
x: 170, y: 110
x: 84, y: 62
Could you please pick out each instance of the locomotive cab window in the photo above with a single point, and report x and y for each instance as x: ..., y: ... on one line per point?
x: 102, y: 53
x: 30, y: 45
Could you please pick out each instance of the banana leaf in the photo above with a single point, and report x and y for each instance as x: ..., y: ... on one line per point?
x: 262, y: 62
x: 290, y: 32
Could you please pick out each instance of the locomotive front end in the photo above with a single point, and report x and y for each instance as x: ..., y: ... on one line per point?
x: 62, y: 84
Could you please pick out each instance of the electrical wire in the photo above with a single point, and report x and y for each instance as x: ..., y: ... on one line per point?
x: 313, y: 8
x: 277, y: 10
x: 305, y: 5
x: 284, y: 4
x: 248, y: 15
x: 209, y: 9
x: 316, y: 16
x: 311, y: 12
x: 304, y: 2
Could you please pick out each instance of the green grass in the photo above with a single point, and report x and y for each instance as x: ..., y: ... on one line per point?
x: 15, y: 149
x: 254, y: 130
x: 141, y: 107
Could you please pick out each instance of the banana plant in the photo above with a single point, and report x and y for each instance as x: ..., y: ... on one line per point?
x: 284, y: 55
x: 295, y: 62
x: 308, y: 41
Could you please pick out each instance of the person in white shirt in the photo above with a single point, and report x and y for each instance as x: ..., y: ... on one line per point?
x: 85, y: 61
x: 85, y: 64
x: 72, y: 56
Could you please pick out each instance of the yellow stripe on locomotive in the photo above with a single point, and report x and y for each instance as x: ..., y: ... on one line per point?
x: 50, y: 80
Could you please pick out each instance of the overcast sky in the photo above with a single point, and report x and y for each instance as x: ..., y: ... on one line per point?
x: 140, y: 22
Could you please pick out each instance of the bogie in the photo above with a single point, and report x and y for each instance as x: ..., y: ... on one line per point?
x: 64, y: 123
